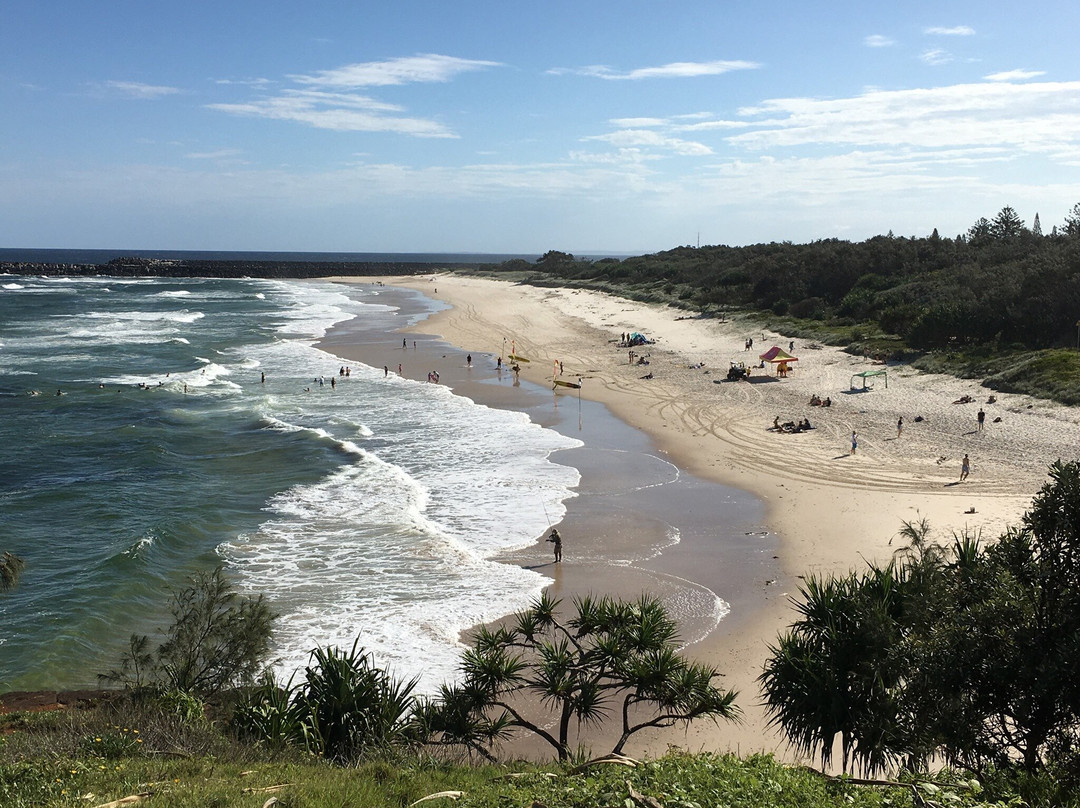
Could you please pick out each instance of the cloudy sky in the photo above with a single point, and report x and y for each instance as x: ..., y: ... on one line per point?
x: 587, y: 126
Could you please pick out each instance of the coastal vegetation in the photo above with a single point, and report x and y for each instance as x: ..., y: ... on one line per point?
x: 609, y: 657
x: 217, y: 640
x: 963, y: 654
x: 1000, y: 302
x: 956, y: 654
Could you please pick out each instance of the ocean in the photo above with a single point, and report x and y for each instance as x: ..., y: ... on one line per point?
x: 154, y: 428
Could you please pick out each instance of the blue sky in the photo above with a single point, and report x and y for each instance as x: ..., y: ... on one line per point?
x: 622, y: 127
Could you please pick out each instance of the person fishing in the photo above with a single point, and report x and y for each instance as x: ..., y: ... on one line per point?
x: 556, y: 539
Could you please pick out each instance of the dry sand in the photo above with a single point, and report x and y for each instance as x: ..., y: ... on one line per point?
x: 830, y: 508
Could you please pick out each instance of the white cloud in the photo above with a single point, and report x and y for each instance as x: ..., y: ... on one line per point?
x: 705, y: 126
x: 137, y: 90
x: 956, y: 30
x: 672, y: 70
x: 936, y: 56
x: 1029, y: 118
x: 878, y: 41
x: 637, y: 123
x: 428, y: 67
x: 340, y: 112
x: 220, y: 154
x: 245, y: 82
x: 326, y: 103
x: 626, y: 138
x: 1015, y: 75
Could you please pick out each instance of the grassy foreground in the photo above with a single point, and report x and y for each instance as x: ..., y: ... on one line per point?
x: 87, y: 758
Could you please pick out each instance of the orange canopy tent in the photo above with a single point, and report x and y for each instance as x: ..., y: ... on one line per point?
x: 778, y: 357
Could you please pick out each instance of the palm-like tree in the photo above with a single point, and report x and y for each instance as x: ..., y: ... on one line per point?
x: 834, y: 672
x: 609, y: 655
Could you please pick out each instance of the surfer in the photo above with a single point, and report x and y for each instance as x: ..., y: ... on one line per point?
x: 556, y: 539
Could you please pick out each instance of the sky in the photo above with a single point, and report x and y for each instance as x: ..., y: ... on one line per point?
x: 590, y: 126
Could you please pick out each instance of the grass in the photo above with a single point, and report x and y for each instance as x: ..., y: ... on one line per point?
x: 88, y: 758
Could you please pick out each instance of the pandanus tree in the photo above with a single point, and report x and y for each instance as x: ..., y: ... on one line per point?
x: 834, y: 673
x: 548, y: 676
x: 966, y: 653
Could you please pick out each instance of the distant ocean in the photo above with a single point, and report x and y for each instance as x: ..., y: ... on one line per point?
x: 139, y: 445
x: 39, y: 256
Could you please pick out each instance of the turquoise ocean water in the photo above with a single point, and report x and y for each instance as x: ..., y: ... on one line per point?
x: 356, y: 508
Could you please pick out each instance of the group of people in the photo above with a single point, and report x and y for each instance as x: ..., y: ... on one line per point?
x: 791, y: 426
x: 816, y: 401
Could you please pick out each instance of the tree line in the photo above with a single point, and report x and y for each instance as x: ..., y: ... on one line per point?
x: 1000, y: 284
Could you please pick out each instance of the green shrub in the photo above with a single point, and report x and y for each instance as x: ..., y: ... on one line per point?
x: 344, y: 708
x: 217, y: 640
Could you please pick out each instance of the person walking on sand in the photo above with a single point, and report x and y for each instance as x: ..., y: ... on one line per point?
x: 899, y: 425
x: 981, y: 417
x: 965, y: 468
x: 854, y: 441
x: 556, y: 539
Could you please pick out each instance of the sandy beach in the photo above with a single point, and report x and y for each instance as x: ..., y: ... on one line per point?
x: 826, y: 509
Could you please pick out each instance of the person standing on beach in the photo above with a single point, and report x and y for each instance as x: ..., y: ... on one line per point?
x: 556, y: 539
x: 404, y: 345
x: 468, y: 360
x: 965, y: 468
x: 899, y: 425
x: 981, y: 417
x: 854, y: 441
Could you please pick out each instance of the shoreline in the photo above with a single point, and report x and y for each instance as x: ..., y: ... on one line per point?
x: 829, y: 509
x: 619, y: 525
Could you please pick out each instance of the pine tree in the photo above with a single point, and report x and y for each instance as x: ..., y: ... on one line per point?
x: 1072, y: 222
x: 1006, y: 225
x: 1036, y: 227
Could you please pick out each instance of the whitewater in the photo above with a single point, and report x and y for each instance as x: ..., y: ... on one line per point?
x: 157, y: 428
